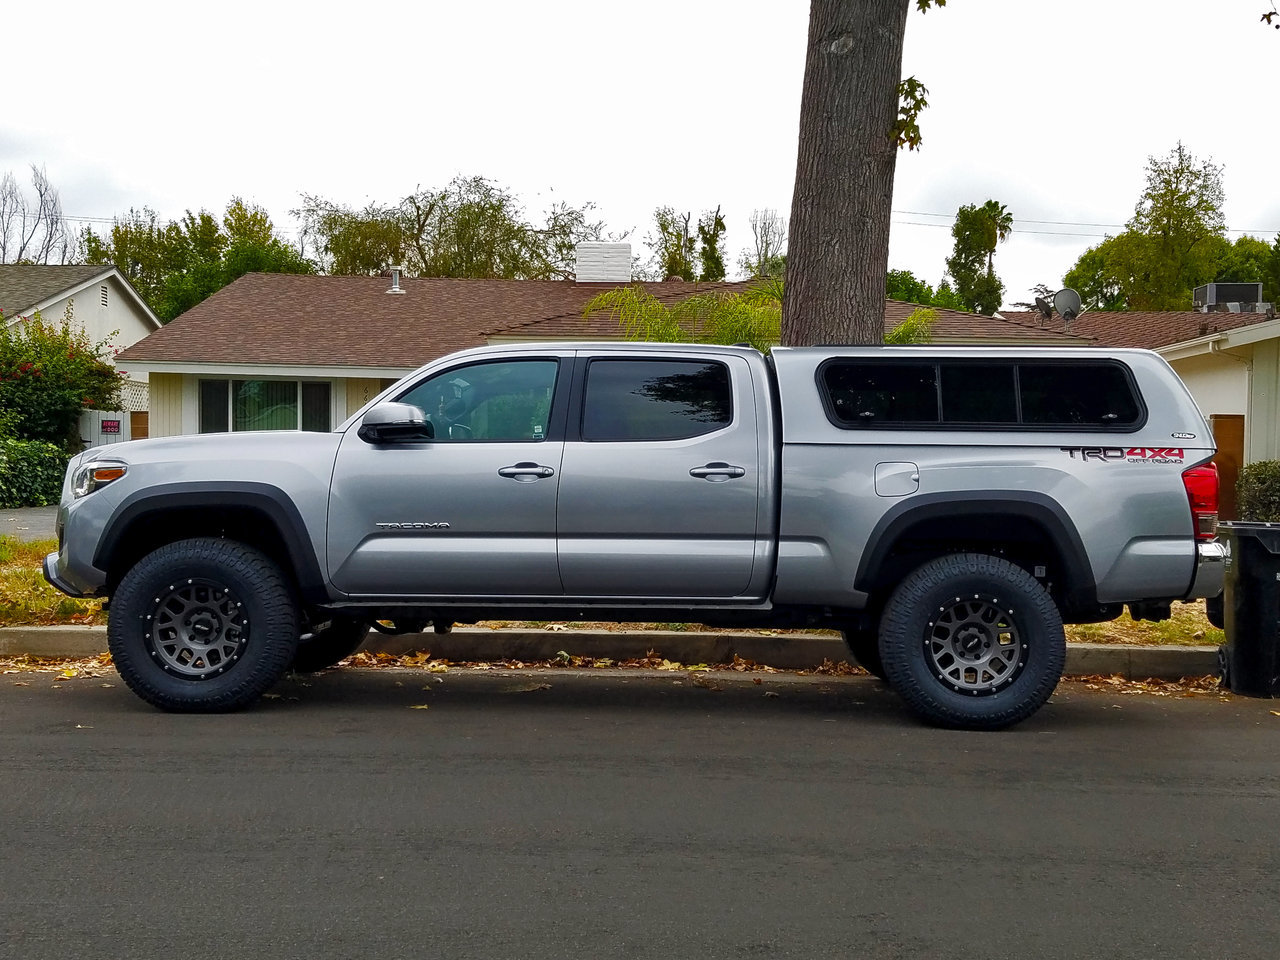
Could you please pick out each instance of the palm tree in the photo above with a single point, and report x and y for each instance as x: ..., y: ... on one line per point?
x: 999, y: 224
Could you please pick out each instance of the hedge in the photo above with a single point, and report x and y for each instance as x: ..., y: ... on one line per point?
x: 1258, y: 492
x: 31, y: 473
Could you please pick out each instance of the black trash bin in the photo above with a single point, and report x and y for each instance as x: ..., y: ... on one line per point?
x: 1251, y: 600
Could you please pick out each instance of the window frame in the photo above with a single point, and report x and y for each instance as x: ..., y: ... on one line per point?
x: 985, y: 426
x: 228, y: 382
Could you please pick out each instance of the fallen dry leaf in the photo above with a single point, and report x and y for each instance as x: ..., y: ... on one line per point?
x: 419, y: 706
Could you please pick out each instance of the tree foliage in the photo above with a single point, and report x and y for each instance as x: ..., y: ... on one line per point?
x: 472, y: 228
x: 1175, y: 241
x: 32, y: 226
x: 903, y: 285
x: 767, y: 256
x: 49, y: 373
x: 672, y: 248
x: 752, y: 316
x: 976, y: 232
x: 176, y: 265
x: 711, y: 245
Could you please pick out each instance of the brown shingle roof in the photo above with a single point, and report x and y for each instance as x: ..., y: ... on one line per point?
x: 25, y: 285
x: 282, y: 319
x: 1141, y: 328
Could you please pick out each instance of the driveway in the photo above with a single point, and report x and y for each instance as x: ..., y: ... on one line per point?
x: 28, y: 523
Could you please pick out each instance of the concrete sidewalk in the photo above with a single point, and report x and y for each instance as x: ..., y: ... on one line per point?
x: 28, y: 523
x: 788, y: 651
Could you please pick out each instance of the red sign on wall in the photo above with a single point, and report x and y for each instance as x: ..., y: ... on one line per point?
x: 110, y: 426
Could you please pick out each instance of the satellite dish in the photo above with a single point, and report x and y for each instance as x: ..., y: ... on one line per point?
x: 1044, y: 307
x: 1068, y: 303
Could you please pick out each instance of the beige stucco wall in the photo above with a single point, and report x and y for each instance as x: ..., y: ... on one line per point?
x: 1220, y: 384
x: 120, y: 322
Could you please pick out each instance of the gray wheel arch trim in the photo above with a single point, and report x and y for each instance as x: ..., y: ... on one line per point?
x: 273, y: 502
x: 1028, y: 505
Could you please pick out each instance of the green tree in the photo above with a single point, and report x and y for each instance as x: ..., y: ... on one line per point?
x: 711, y: 245
x: 1175, y: 241
x: 903, y: 285
x: 855, y: 112
x: 752, y: 316
x: 976, y: 232
x: 49, y: 373
x: 1250, y: 260
x: 671, y: 246
x: 178, y: 264
x: 472, y: 228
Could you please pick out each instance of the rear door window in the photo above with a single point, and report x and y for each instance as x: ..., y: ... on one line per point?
x: 646, y: 399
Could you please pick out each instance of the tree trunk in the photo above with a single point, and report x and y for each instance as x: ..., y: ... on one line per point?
x: 839, y: 245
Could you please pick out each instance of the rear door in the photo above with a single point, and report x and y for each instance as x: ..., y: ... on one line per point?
x: 661, y: 477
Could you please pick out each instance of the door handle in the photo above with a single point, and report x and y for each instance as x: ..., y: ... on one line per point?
x: 525, y: 472
x: 717, y: 471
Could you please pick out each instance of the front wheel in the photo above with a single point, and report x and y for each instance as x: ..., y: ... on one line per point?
x: 203, y: 625
x: 972, y: 641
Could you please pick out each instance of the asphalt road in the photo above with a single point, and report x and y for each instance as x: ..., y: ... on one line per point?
x: 614, y: 815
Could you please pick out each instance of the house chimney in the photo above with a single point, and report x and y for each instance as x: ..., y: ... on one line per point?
x: 597, y: 262
x: 395, y: 280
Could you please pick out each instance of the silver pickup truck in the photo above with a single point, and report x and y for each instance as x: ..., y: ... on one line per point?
x: 946, y: 508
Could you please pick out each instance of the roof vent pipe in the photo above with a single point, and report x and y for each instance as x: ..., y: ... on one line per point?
x: 395, y: 280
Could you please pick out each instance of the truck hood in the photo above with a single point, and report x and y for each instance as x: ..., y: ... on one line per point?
x: 269, y: 446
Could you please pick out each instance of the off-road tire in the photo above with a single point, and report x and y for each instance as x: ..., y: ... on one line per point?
x: 203, y: 626
x: 973, y: 642
x: 341, y: 638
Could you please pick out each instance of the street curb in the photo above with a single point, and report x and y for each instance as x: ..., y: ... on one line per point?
x: 788, y: 651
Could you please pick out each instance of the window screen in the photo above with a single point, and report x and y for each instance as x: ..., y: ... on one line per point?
x: 655, y: 399
x: 866, y: 394
x: 214, y: 411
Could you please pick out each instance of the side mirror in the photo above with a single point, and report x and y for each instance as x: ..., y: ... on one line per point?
x: 395, y: 423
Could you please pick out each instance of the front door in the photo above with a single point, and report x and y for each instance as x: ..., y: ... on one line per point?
x: 660, y: 482
x: 470, y: 513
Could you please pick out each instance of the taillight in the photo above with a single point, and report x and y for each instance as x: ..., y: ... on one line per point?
x: 1202, y: 490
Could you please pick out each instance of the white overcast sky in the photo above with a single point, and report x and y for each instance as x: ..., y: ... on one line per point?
x: 1049, y: 108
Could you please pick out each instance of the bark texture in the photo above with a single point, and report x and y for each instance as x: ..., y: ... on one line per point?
x: 838, y: 251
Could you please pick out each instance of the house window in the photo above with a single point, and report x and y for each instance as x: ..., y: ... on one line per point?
x: 104, y: 294
x: 236, y: 405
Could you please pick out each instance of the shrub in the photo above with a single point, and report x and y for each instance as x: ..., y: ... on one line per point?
x: 49, y: 372
x: 31, y: 473
x: 1258, y: 492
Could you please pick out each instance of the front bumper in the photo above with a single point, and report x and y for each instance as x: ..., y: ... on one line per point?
x: 50, y: 570
x: 1210, y: 570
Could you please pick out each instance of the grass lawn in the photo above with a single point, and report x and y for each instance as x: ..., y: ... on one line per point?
x: 25, y: 600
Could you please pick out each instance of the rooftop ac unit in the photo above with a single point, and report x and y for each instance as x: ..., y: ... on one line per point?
x: 1209, y: 295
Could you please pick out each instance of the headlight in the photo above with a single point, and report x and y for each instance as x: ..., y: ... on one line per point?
x: 94, y: 475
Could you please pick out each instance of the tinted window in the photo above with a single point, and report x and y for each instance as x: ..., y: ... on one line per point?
x: 1076, y: 394
x: 978, y: 393
x: 655, y: 399
x: 503, y: 400
x: 215, y: 416
x: 866, y: 394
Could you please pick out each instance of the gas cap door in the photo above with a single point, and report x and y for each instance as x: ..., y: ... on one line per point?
x: 897, y: 479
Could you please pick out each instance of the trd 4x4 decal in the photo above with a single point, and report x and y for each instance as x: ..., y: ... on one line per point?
x: 1129, y: 454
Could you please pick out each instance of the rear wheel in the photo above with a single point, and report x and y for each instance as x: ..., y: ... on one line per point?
x: 203, y: 625
x: 972, y: 641
x: 326, y: 646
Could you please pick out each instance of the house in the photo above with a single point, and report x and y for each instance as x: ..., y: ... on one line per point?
x: 273, y: 351
x: 1229, y: 360
x: 103, y: 303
